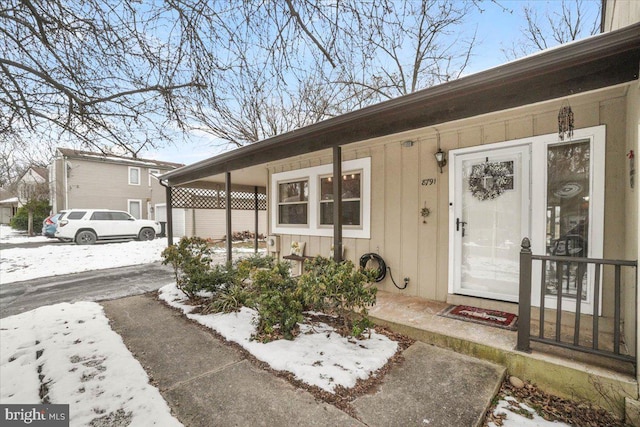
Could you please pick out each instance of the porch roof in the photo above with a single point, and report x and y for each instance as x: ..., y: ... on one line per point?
x: 594, y: 63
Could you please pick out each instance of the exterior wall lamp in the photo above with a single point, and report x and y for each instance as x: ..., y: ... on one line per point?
x: 441, y: 158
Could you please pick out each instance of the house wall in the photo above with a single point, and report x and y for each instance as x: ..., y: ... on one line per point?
x: 421, y: 251
x: 620, y: 13
x: 30, y: 185
x: 632, y: 207
x: 211, y: 223
x: 6, y: 213
x: 96, y: 184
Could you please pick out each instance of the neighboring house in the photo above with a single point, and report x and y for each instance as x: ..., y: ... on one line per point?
x: 83, y: 179
x: 8, y: 206
x: 510, y: 174
x: 32, y: 185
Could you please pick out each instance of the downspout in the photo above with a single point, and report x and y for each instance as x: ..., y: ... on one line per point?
x: 169, y: 209
x: 65, y: 174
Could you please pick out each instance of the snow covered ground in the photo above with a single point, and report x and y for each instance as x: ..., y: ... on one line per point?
x: 318, y: 356
x: 54, y: 259
x: 87, y: 365
x: 10, y: 236
x: 83, y: 363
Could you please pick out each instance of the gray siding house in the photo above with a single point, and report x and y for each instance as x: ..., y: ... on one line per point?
x: 82, y: 179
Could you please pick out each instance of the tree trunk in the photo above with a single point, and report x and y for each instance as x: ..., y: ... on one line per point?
x: 30, y: 223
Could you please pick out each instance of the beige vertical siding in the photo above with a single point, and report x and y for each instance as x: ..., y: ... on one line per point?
x: 212, y: 222
x: 96, y: 184
x: 421, y: 251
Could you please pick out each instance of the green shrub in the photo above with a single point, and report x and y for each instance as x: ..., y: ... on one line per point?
x: 231, y: 298
x: 246, y: 266
x: 20, y: 220
x: 341, y: 290
x: 191, y: 262
x: 278, y: 302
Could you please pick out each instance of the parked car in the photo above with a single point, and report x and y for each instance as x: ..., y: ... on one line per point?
x: 50, y: 223
x: 86, y: 226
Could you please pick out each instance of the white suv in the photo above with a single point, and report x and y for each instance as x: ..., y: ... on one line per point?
x: 86, y: 226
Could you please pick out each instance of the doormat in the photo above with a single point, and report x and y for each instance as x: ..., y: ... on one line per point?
x: 496, y: 318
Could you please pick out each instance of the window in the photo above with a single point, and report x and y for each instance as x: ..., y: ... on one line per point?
x: 351, y: 190
x: 301, y: 201
x: 101, y: 216
x: 135, y: 208
x: 134, y: 176
x: 76, y: 215
x: 293, y: 200
x: 153, y: 173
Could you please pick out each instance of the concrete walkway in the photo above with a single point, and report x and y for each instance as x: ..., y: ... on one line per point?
x: 208, y: 383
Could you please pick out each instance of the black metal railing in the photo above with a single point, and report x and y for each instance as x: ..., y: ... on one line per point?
x: 558, y: 273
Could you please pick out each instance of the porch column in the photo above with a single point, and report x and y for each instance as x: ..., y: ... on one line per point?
x: 227, y: 207
x: 337, y: 204
x: 169, y: 209
x: 255, y: 204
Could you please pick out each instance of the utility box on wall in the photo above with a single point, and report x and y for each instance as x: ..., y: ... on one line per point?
x: 273, y: 243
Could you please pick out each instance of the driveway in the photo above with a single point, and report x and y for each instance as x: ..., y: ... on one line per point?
x: 96, y: 285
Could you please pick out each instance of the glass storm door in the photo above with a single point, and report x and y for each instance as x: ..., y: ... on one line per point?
x: 490, y: 216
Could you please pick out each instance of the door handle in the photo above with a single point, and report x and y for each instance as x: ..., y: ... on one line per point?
x: 460, y: 224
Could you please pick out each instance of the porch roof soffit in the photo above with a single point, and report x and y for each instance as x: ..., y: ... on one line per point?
x: 594, y: 63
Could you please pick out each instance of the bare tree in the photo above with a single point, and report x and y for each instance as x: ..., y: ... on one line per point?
x: 89, y: 69
x: 566, y: 21
x: 127, y: 75
x: 407, y: 46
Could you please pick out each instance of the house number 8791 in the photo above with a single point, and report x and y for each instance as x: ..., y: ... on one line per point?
x: 429, y: 181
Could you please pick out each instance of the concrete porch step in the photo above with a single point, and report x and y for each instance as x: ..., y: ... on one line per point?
x: 564, y: 373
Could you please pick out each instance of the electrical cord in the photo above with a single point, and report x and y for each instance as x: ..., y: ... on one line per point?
x: 382, y: 268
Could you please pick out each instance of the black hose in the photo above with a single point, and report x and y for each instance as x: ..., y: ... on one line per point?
x: 382, y: 268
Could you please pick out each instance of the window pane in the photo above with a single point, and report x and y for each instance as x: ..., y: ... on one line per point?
x: 350, y: 213
x: 350, y: 187
x: 76, y: 215
x: 134, y: 176
x: 567, y: 213
x: 100, y: 216
x: 293, y: 214
x: 294, y: 192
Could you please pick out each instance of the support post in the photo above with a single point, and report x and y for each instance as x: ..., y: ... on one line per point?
x: 255, y: 204
x: 524, y: 298
x: 169, y: 209
x: 227, y: 207
x: 337, y: 204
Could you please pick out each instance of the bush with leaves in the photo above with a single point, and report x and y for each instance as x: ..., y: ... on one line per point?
x: 341, y: 290
x: 279, y: 303
x: 238, y: 290
x: 20, y: 220
x: 191, y: 262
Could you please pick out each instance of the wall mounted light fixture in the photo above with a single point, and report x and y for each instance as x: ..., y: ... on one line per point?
x: 441, y: 158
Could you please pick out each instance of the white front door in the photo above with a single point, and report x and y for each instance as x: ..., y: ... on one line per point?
x: 489, y: 217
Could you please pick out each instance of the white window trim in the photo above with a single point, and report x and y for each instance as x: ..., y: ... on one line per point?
x: 314, y: 174
x: 129, y: 175
x: 350, y: 199
x: 152, y: 174
x: 139, y: 202
x: 300, y: 202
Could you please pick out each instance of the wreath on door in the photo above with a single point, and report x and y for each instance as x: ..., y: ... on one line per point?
x: 489, y: 180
